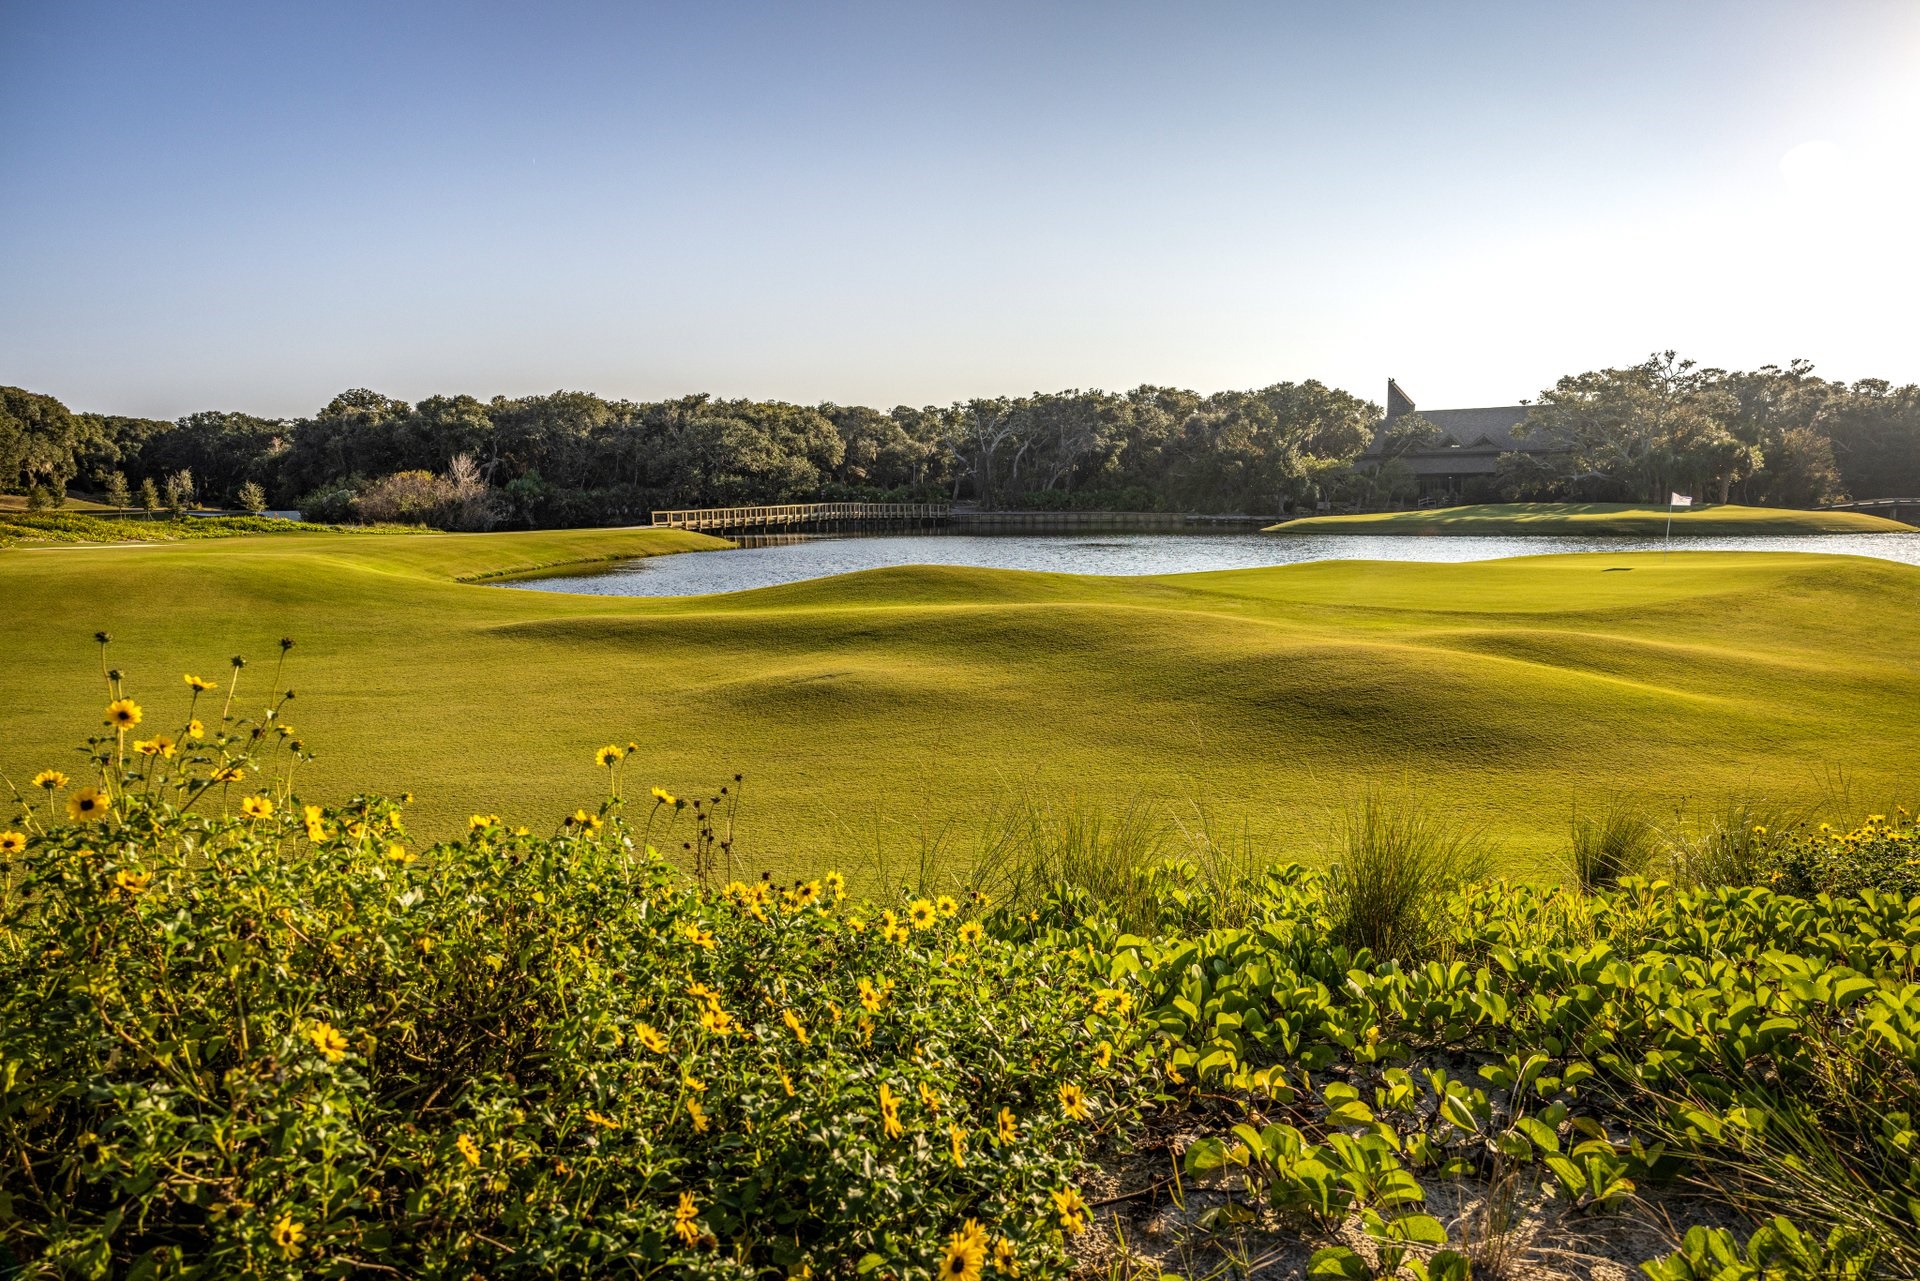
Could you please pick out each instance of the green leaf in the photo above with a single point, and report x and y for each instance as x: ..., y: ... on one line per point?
x: 1204, y: 1155
x: 1338, y: 1261
x: 1418, y: 1229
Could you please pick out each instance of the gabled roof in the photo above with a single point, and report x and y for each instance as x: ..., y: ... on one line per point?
x: 1486, y: 430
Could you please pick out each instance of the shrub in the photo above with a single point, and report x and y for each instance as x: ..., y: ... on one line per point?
x: 404, y: 498
x: 459, y: 500
x: 244, y: 1035
x: 1881, y: 854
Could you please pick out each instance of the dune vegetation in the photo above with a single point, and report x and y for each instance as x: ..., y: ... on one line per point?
x: 250, y: 1033
x: 894, y: 709
x: 1627, y: 520
x: 24, y: 527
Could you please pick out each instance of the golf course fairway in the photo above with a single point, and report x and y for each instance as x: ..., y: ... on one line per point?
x: 872, y: 707
x: 1621, y: 520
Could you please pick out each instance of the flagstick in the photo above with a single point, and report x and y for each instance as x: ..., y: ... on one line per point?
x: 1669, y: 546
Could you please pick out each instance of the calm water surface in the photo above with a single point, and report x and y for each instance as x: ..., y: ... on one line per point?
x: 699, y: 573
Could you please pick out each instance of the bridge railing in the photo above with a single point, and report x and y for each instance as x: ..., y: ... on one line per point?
x: 788, y: 515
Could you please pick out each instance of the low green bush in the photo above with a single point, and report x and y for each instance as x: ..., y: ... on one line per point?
x: 245, y: 1036
x: 1881, y: 854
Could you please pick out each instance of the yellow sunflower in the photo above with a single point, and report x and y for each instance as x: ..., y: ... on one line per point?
x: 256, y: 806
x: 123, y: 713
x: 957, y: 1144
x: 287, y: 1234
x: 51, y: 779
x: 12, y: 842
x: 947, y: 907
x: 650, y: 1038
x: 469, y: 1150
x: 921, y: 914
x: 1005, y: 1258
x: 970, y: 932
x: 1073, y: 1101
x: 684, y: 1219
x: 963, y: 1258
x: 197, y: 685
x: 327, y: 1039
x: 1006, y: 1126
x: 890, y: 1112
x: 607, y: 756
x: 87, y: 805
x: 1071, y: 1209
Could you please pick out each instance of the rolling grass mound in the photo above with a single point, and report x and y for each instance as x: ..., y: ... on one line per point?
x: 891, y: 706
x: 1625, y: 520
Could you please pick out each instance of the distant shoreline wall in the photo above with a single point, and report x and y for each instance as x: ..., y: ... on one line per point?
x: 998, y: 522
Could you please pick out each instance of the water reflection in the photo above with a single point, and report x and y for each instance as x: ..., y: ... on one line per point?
x: 792, y: 558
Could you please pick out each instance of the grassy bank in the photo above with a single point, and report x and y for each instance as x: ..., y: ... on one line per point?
x: 1617, y: 519
x: 1264, y: 698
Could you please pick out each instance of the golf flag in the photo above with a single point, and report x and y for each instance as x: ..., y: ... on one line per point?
x: 1682, y: 500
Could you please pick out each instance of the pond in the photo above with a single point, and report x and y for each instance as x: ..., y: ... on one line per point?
x: 795, y: 560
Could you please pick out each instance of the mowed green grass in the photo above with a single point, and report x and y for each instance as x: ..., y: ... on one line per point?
x: 869, y: 709
x: 1622, y: 519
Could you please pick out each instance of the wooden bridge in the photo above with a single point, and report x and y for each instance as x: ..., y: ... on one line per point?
x: 816, y: 518
x: 1900, y: 509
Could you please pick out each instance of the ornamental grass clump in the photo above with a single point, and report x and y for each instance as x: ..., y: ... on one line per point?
x: 1397, y: 866
x: 1618, y: 841
x: 244, y: 1033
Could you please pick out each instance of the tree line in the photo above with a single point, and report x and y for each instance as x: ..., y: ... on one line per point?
x: 1774, y: 435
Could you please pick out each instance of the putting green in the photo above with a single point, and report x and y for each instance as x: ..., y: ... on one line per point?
x: 872, y: 708
x: 1622, y: 519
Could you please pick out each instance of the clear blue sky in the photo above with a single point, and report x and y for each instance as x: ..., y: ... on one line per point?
x: 253, y: 206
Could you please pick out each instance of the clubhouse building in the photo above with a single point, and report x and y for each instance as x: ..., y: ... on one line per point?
x: 1464, y: 458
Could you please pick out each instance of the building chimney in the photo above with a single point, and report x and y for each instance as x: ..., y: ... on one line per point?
x: 1398, y: 402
